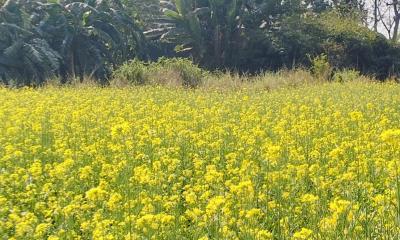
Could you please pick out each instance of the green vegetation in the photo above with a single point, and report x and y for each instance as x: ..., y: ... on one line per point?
x: 90, y: 39
x: 181, y: 71
x: 178, y: 72
x: 199, y: 119
x: 39, y: 40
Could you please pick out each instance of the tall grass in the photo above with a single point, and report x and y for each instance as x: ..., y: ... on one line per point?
x: 183, y: 73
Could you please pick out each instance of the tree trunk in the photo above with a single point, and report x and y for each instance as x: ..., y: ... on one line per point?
x: 396, y: 29
x: 217, y: 44
x: 376, y: 15
x: 396, y: 20
x: 72, y: 66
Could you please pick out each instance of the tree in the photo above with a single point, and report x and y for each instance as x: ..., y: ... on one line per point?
x: 346, y: 42
x: 214, y: 31
x: 25, y: 58
x: 387, y: 15
x: 89, y: 38
x: 396, y: 18
x: 145, y: 12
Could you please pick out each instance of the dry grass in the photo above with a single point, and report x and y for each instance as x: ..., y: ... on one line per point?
x: 264, y: 81
x: 223, y: 81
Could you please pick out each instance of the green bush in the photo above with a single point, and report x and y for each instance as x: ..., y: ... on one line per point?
x: 348, y: 75
x: 166, y: 71
x: 134, y: 72
x: 189, y: 74
x: 320, y: 67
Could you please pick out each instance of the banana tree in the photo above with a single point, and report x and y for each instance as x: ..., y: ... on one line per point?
x: 92, y: 37
x: 182, y: 26
x: 209, y: 30
x: 66, y: 38
x: 25, y: 58
x: 225, y: 19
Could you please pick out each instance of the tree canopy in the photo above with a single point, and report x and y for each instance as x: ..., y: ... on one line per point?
x: 68, y: 38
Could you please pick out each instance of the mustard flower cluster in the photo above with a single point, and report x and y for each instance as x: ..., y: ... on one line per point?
x: 319, y: 162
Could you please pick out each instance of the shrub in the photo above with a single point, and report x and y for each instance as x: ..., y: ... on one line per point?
x: 134, y: 72
x: 184, y: 70
x: 166, y: 71
x: 320, y: 67
x: 348, y: 75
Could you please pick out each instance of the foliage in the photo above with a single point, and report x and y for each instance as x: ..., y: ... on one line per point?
x: 80, y: 38
x: 93, y: 37
x: 145, y: 12
x: 258, y: 35
x: 25, y: 58
x: 320, y: 67
x: 133, y: 72
x: 166, y: 71
x: 346, y: 76
x: 190, y: 74
x: 217, y: 33
x: 319, y: 162
x: 343, y: 40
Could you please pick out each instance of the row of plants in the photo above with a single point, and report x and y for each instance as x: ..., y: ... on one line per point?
x: 183, y: 72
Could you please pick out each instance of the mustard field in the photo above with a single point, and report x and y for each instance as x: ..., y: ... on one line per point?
x: 318, y: 162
